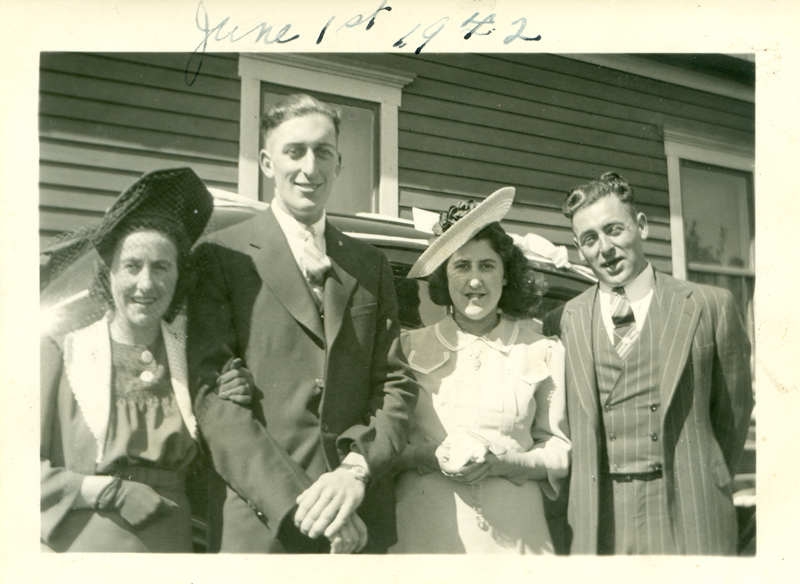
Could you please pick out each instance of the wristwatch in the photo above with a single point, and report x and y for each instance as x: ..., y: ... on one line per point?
x: 358, y: 471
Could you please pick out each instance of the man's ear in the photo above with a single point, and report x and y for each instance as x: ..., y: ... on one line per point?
x: 265, y: 162
x: 641, y: 221
x: 339, y: 164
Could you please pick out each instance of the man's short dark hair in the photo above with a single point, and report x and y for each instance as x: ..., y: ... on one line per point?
x: 609, y: 184
x: 525, y: 286
x: 296, y: 105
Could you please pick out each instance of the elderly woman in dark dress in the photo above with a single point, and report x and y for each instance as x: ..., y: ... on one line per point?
x: 117, y: 429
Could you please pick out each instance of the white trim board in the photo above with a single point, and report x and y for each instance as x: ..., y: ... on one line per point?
x: 371, y: 84
x: 669, y: 74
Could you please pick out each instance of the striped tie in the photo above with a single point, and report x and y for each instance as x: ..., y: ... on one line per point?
x: 625, y: 329
x: 315, y: 265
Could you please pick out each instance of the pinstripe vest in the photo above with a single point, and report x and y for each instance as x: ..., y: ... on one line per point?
x: 629, y: 395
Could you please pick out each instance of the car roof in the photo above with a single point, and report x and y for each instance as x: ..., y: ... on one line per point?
x: 403, y: 244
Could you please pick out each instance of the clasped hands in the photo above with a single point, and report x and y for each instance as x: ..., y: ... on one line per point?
x: 328, y: 508
x: 468, y: 459
x: 236, y: 383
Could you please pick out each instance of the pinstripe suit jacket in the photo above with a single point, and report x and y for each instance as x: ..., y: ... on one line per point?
x: 706, y: 397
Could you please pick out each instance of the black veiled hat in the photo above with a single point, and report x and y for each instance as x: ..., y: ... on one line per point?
x: 175, y: 194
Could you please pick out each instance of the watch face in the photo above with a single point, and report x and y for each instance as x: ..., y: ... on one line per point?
x: 358, y: 471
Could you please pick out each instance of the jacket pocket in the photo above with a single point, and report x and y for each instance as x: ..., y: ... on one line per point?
x: 363, y: 309
x: 721, y: 474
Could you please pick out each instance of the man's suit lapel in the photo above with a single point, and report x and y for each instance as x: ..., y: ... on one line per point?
x: 280, y: 273
x: 339, y: 284
x: 578, y: 337
x: 680, y: 315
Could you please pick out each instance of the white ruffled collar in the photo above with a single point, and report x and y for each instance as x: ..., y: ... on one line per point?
x: 501, y: 338
x: 87, y: 365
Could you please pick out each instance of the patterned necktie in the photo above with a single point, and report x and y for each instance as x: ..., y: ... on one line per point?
x: 625, y: 329
x: 315, y: 265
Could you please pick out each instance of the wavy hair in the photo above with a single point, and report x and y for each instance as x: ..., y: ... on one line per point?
x: 296, y: 105
x: 609, y: 184
x: 524, y: 288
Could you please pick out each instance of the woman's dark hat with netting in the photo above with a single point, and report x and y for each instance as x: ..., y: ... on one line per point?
x: 176, y: 194
x: 173, y: 198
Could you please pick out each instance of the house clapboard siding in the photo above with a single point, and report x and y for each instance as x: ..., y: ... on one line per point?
x: 468, y: 124
x: 107, y: 118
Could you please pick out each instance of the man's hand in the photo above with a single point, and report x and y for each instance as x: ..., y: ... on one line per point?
x: 326, y: 505
x: 351, y: 538
x: 236, y: 383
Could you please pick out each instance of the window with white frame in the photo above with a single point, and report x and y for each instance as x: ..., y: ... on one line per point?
x: 369, y: 100
x: 712, y: 213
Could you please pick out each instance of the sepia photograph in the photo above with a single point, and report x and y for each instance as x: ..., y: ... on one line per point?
x: 452, y: 292
x: 436, y: 132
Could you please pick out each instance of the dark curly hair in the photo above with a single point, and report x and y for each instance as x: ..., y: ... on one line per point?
x: 609, y: 184
x: 101, y: 286
x: 525, y: 286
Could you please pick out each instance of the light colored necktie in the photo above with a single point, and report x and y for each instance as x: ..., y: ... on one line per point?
x: 625, y: 329
x: 315, y: 265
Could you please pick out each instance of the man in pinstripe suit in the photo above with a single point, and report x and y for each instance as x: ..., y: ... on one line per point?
x: 659, y: 392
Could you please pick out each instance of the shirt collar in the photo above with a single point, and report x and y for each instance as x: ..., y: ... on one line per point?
x: 501, y: 337
x: 293, y: 228
x: 638, y: 288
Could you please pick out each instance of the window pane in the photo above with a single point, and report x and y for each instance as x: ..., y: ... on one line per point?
x: 355, y: 188
x: 717, y: 214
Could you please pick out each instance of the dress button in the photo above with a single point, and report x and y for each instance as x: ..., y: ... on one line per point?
x: 612, y: 437
x: 607, y: 408
x: 616, y: 467
x: 146, y: 376
x: 656, y: 466
x: 320, y: 383
x: 653, y: 407
x: 653, y: 436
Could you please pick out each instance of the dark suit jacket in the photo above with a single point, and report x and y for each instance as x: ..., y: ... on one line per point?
x: 706, y: 396
x: 254, y: 303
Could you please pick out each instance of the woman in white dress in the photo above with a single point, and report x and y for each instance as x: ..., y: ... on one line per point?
x: 490, y: 434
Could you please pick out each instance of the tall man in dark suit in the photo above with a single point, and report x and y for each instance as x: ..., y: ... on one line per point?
x: 658, y: 388
x: 313, y: 314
